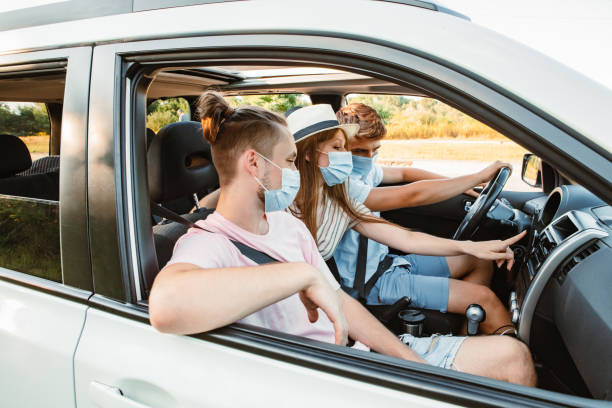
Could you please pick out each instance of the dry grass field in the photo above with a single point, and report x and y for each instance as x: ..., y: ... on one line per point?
x: 451, y: 149
x: 37, y: 144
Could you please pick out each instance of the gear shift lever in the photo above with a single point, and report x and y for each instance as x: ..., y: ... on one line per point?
x: 475, y: 314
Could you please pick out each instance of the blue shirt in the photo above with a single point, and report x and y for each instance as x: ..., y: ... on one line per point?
x: 345, y: 254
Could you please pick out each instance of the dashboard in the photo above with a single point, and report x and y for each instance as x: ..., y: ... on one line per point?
x: 566, y: 276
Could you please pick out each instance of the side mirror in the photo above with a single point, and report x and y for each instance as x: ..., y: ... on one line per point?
x: 532, y: 170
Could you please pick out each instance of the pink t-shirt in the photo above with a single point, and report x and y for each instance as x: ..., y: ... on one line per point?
x: 287, y: 240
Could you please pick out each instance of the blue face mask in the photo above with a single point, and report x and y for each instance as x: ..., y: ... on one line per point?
x: 340, y: 167
x: 278, y: 200
x: 363, y: 165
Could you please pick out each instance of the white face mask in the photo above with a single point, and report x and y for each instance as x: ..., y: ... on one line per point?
x: 363, y: 165
x: 280, y: 199
x: 340, y: 167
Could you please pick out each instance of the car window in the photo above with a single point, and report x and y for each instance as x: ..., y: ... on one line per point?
x: 279, y: 103
x: 162, y: 112
x: 431, y: 135
x: 29, y: 183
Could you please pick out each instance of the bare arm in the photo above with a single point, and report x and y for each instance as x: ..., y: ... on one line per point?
x: 425, y: 191
x: 419, y: 193
x: 424, y: 244
x: 188, y: 299
x: 364, y: 328
x: 392, y: 175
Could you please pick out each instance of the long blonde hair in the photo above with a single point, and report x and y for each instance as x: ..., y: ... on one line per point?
x: 308, y: 197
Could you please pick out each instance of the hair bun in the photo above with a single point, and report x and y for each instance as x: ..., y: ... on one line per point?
x: 213, y: 111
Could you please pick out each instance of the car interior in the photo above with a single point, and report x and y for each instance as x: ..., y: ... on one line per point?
x: 568, y: 321
x: 19, y: 174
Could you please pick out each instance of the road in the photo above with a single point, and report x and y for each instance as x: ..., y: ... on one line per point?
x: 454, y: 168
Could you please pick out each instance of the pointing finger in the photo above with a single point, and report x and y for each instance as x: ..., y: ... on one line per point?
x: 515, y: 238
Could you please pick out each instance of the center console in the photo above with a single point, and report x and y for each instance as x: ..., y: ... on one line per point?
x: 554, y: 251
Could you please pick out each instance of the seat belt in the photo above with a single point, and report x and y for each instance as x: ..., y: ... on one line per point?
x: 333, y: 268
x: 361, y: 288
x: 259, y: 257
x: 360, y: 269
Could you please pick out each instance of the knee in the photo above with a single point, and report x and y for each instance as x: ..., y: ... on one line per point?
x: 485, y: 296
x: 519, y: 364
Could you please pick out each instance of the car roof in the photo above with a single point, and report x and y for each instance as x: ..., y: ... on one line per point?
x: 557, y: 90
x: 28, y: 14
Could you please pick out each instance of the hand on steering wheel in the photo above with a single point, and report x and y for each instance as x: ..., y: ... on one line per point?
x: 481, y: 206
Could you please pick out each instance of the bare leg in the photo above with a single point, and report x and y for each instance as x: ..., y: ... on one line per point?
x: 499, y: 357
x: 470, y: 269
x: 461, y: 294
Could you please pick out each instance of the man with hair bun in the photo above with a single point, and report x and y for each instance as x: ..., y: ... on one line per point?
x: 208, y: 283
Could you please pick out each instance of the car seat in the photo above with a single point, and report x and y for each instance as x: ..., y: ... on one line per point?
x: 179, y: 164
x: 14, y: 159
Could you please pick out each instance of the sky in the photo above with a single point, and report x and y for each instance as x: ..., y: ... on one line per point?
x: 577, y: 33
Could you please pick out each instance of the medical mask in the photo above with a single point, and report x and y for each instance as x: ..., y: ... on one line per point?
x: 340, y: 167
x: 278, y: 200
x: 363, y: 165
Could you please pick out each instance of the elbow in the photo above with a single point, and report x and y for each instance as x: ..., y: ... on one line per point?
x: 161, y: 318
x: 163, y: 314
x: 169, y: 313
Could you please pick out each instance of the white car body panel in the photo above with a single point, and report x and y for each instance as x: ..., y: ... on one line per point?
x: 163, y: 370
x: 38, y: 337
x: 561, y: 92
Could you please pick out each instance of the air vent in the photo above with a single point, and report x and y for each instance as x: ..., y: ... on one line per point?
x: 575, y: 260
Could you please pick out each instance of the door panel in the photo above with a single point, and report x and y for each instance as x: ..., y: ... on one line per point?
x: 38, y: 335
x: 161, y: 370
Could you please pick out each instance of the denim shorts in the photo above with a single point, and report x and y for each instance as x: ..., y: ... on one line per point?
x: 437, y: 350
x: 424, y: 280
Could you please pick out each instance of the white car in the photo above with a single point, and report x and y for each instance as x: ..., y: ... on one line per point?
x: 80, y: 248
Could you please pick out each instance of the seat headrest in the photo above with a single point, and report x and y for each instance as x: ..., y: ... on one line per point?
x: 14, y: 156
x: 180, y: 162
x: 149, y: 137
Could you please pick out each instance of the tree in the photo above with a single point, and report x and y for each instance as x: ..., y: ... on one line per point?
x: 279, y: 103
x: 162, y: 112
x: 24, y: 120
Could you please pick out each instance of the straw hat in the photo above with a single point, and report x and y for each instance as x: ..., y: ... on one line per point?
x: 313, y: 119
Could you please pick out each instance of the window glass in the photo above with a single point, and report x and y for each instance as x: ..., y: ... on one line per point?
x: 29, y: 238
x: 428, y: 134
x: 279, y: 103
x: 162, y: 112
x: 29, y: 175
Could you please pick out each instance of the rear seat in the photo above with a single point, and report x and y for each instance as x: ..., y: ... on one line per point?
x: 179, y: 164
x: 47, y: 164
x: 14, y: 159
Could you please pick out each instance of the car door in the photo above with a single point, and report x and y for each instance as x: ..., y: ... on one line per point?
x: 44, y: 282
x: 122, y: 361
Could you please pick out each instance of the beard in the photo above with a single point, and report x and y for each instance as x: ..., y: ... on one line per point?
x: 261, y: 193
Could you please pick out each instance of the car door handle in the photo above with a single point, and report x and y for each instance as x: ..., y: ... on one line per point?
x: 106, y: 396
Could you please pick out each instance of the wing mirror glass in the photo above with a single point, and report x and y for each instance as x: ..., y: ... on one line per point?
x: 532, y: 170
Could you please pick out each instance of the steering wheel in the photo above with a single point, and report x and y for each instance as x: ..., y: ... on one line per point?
x: 481, y: 206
